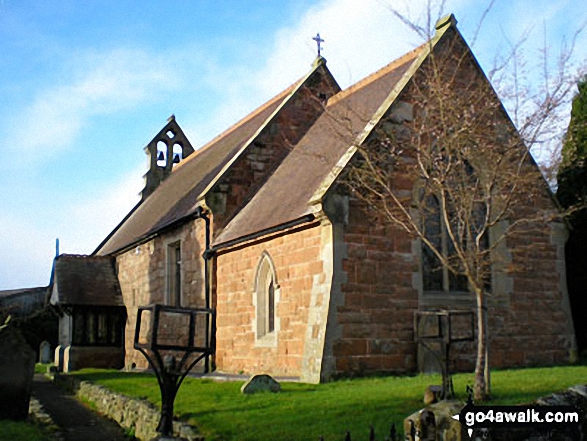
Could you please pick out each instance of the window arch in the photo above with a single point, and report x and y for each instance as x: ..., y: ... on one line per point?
x: 266, y: 290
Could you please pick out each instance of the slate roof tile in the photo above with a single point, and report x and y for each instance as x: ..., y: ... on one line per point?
x: 286, y: 194
x: 86, y: 280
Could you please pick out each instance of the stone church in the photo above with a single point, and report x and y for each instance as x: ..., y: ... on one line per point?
x: 303, y: 285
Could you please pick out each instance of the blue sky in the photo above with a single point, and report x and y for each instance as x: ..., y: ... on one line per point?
x: 84, y: 86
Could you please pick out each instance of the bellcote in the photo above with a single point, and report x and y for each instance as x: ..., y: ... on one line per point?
x: 168, y: 148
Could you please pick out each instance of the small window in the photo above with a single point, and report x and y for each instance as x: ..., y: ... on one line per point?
x: 102, y: 328
x: 265, y: 289
x: 115, y: 329
x: 78, y: 329
x: 174, y: 274
x: 91, y: 328
x: 97, y: 327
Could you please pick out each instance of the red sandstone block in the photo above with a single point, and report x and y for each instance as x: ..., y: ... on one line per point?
x: 356, y: 252
x: 403, y: 246
x: 370, y: 363
x: 514, y: 358
x: 356, y: 330
x: 395, y: 361
x: 497, y: 358
x: 354, y: 238
x: 351, y: 316
x: 350, y: 347
x: 342, y: 364
x: 375, y: 301
x: 366, y: 272
x: 353, y: 300
x: 315, y: 267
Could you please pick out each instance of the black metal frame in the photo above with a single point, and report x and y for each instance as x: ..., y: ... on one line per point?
x: 445, y: 338
x: 169, y: 373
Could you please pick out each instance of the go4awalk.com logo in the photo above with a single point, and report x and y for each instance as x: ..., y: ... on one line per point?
x: 484, y: 420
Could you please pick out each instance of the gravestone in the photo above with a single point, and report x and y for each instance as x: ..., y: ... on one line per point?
x: 260, y: 383
x: 45, y: 353
x: 58, y: 361
x: 17, y: 367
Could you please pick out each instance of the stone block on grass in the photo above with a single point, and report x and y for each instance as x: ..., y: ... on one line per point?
x: 260, y: 383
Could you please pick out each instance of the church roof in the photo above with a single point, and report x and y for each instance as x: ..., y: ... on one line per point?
x: 320, y: 156
x: 85, y: 280
x: 178, y: 195
x: 314, y: 157
x: 313, y: 164
x: 6, y: 293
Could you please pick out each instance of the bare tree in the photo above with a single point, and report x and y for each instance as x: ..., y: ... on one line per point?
x: 454, y: 171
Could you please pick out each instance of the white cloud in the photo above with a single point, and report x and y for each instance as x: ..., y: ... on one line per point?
x: 360, y: 37
x: 102, y: 83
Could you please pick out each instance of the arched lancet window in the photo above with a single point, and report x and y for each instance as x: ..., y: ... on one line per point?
x: 266, y: 288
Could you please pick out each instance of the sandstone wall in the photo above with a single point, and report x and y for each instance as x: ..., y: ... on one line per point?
x: 142, y: 273
x: 377, y: 313
x: 275, y: 140
x: 529, y: 313
x: 532, y: 325
x: 304, y: 274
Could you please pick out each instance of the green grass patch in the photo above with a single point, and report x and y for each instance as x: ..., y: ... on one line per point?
x: 304, y: 411
x: 21, y: 431
x: 41, y: 368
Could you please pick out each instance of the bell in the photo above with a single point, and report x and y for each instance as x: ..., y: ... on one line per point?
x: 160, y: 157
x: 176, y: 159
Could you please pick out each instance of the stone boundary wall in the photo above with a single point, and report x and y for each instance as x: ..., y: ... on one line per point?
x: 132, y: 414
x: 38, y: 415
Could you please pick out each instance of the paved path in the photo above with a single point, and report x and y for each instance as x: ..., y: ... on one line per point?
x: 76, y: 421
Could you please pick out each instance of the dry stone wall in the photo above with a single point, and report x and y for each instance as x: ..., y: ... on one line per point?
x: 134, y: 415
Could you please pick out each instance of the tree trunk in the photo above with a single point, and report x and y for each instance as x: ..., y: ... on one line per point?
x: 481, y: 364
x: 487, y: 369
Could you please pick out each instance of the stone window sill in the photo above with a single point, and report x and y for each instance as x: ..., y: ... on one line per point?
x: 267, y: 341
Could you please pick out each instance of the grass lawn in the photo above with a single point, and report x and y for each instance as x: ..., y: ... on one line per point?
x: 41, y: 368
x: 20, y: 431
x: 304, y: 411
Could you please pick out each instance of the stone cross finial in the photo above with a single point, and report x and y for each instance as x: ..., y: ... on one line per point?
x: 318, y: 40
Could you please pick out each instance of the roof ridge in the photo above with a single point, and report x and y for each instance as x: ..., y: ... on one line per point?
x: 377, y: 74
x: 80, y: 256
x: 242, y: 121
